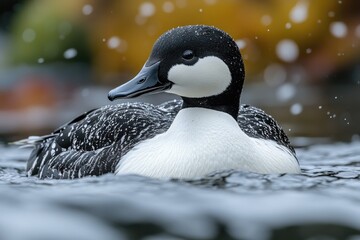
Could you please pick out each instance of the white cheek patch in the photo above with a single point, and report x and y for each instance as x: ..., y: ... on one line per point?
x: 209, y: 76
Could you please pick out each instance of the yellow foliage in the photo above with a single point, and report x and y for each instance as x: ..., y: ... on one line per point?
x: 121, y: 33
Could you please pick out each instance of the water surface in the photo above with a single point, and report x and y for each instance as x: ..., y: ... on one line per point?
x: 321, y: 203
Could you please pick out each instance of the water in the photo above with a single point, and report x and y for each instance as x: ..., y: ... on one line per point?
x: 321, y: 203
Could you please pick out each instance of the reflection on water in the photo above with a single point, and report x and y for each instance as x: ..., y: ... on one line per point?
x: 323, y: 201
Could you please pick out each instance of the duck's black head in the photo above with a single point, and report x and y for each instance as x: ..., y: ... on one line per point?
x: 202, y: 64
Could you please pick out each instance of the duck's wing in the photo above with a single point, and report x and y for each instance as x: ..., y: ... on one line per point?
x: 258, y: 124
x: 93, y: 143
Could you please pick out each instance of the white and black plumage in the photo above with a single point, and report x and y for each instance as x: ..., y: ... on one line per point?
x: 207, y: 131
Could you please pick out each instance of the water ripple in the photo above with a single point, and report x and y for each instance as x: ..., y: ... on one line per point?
x: 323, y: 201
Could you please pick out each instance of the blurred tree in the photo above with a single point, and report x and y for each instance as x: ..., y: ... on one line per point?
x: 117, y: 36
x: 46, y: 31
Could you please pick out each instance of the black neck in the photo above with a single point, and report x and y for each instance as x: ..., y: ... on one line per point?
x: 214, y: 104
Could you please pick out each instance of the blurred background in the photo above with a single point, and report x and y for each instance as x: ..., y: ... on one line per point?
x: 60, y: 58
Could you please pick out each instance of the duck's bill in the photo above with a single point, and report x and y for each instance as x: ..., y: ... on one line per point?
x: 146, y: 81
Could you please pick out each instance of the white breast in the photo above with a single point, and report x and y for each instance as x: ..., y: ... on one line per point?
x: 201, y: 141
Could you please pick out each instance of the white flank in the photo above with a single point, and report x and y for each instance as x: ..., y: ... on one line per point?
x: 201, y: 141
x: 209, y: 76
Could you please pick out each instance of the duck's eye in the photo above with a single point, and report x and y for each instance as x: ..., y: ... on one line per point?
x: 188, y: 55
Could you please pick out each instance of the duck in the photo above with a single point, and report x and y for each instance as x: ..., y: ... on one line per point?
x: 206, y: 131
